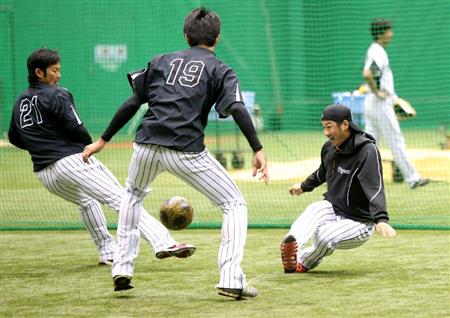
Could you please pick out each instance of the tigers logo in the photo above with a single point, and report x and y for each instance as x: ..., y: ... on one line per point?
x: 110, y: 57
x: 343, y: 171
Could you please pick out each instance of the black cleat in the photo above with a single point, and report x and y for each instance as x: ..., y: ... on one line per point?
x: 107, y: 262
x: 238, y: 293
x: 122, y: 282
x: 420, y: 183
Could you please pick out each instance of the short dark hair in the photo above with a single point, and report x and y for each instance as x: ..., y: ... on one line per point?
x: 41, y: 59
x: 202, y: 26
x: 379, y: 26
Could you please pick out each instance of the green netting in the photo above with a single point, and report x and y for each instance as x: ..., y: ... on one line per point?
x: 292, y: 54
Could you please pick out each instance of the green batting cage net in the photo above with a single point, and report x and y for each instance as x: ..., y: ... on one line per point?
x: 292, y: 57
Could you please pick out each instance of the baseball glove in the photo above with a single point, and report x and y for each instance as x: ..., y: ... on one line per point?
x: 403, y: 109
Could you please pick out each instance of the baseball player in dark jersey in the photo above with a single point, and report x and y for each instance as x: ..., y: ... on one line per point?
x: 354, y: 204
x: 45, y: 123
x: 180, y: 89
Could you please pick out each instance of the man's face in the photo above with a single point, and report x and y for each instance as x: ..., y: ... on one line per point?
x: 51, y: 76
x: 334, y: 132
x: 386, y: 37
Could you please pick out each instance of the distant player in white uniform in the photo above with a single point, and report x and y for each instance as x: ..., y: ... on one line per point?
x: 354, y: 204
x: 379, y: 114
x: 180, y: 89
x: 44, y: 122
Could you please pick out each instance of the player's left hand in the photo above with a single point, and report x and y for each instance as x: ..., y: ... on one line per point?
x: 385, y: 229
x: 296, y: 189
x: 260, y: 166
x: 90, y: 149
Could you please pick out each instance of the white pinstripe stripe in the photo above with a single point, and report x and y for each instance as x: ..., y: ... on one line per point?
x: 380, y: 181
x: 350, y: 185
x: 76, y: 115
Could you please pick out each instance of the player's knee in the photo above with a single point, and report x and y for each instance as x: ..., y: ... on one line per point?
x: 240, y: 204
x: 134, y: 191
x: 87, y: 206
x: 327, y: 242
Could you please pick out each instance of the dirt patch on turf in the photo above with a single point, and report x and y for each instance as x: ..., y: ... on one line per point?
x: 433, y: 164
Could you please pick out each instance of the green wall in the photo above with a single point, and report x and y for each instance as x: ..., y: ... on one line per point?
x: 294, y: 54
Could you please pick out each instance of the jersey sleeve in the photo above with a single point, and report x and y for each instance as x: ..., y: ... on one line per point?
x: 136, y: 79
x: 370, y: 177
x: 316, y: 178
x: 67, y: 116
x: 368, y: 61
x: 14, y: 136
x: 375, y: 59
x: 229, y: 92
x: 374, y: 63
x: 64, y: 110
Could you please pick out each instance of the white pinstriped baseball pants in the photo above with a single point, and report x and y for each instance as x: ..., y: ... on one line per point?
x: 88, y: 184
x: 381, y: 121
x: 329, y: 232
x: 204, y: 173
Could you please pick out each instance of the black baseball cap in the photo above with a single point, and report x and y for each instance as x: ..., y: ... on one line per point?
x: 338, y: 113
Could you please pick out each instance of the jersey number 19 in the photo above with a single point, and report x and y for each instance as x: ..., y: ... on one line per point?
x: 190, y: 76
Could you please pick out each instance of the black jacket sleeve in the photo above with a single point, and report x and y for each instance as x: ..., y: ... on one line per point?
x: 370, y: 177
x: 13, y: 135
x: 316, y: 178
x: 125, y: 112
x: 244, y: 121
x: 64, y: 110
x: 80, y: 134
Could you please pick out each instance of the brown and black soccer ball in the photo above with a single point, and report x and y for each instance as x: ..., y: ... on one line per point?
x: 176, y: 213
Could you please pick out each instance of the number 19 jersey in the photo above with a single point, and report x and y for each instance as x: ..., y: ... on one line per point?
x: 180, y: 89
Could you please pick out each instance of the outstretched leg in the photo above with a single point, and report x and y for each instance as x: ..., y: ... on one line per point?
x: 203, y: 172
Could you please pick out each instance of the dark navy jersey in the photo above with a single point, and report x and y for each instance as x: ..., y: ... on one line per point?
x: 45, y: 123
x: 180, y: 89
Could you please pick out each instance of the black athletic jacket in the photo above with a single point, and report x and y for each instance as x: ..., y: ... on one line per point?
x: 354, y: 176
x: 44, y: 122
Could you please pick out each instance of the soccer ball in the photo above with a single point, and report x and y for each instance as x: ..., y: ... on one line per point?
x: 176, y: 213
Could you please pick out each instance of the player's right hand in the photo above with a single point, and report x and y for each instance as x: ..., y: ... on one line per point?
x: 381, y: 94
x: 384, y: 229
x: 90, y: 149
x: 260, y: 166
x: 296, y: 189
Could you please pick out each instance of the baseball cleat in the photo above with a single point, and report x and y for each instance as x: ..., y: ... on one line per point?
x: 122, y: 282
x: 420, y: 183
x: 288, y: 250
x: 247, y: 292
x: 180, y: 250
x: 107, y: 262
x: 301, y: 268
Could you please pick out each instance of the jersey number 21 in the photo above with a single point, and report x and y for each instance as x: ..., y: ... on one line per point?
x: 26, y: 117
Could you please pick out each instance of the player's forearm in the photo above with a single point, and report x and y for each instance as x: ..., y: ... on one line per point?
x: 244, y: 121
x: 370, y: 80
x: 122, y: 116
x: 311, y: 182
